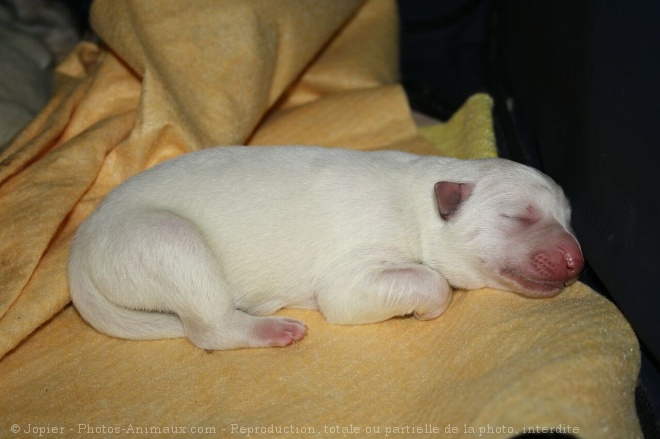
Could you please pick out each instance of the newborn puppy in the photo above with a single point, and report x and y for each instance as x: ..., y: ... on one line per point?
x: 207, y: 244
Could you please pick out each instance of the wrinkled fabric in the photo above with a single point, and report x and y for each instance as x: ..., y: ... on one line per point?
x: 173, y: 77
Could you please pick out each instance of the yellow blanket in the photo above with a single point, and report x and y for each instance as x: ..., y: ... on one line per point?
x: 173, y: 77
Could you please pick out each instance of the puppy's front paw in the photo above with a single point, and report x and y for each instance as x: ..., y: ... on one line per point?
x: 434, y: 308
x: 280, y: 331
x: 429, y: 315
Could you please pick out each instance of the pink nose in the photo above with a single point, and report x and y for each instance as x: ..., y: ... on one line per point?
x: 572, y: 255
x: 562, y: 261
x: 574, y: 264
x: 574, y: 261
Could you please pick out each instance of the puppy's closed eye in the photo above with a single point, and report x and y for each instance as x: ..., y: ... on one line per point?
x: 530, y: 215
x: 521, y: 219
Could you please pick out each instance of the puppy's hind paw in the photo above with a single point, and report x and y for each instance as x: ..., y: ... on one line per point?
x: 280, y: 331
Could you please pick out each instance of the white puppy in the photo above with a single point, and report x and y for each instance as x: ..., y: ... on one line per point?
x: 206, y: 244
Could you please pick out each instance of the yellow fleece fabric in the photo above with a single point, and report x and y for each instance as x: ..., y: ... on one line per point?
x: 172, y: 77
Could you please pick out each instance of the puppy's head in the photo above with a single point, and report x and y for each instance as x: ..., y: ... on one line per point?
x: 506, y: 226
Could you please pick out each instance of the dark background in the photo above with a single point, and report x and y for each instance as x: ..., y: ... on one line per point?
x: 577, y: 94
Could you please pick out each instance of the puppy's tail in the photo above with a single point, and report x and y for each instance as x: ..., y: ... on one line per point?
x: 115, y: 320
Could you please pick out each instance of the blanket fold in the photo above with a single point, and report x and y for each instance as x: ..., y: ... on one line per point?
x: 173, y: 77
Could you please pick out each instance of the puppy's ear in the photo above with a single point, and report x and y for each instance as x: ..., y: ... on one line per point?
x: 450, y: 196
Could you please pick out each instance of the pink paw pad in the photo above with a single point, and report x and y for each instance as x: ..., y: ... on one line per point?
x: 281, y: 331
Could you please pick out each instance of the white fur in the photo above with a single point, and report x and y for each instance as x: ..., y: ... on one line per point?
x: 203, y: 244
